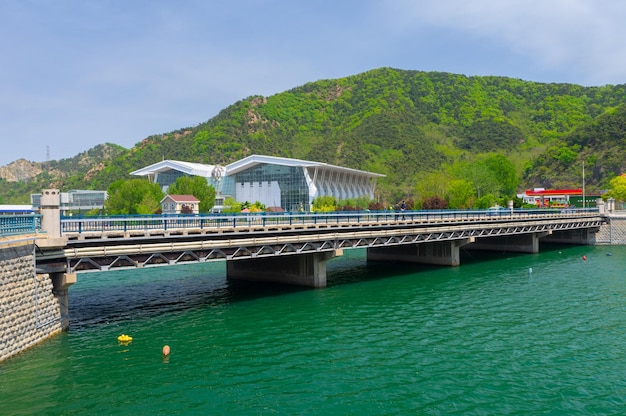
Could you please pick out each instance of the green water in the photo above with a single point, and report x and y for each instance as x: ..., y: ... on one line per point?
x: 487, y: 338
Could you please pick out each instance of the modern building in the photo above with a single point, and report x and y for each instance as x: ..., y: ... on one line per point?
x: 75, y: 201
x: 290, y: 184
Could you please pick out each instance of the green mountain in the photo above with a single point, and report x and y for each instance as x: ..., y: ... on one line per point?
x: 405, y: 124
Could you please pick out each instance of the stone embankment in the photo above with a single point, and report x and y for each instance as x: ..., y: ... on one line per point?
x: 31, y: 310
x: 614, y: 231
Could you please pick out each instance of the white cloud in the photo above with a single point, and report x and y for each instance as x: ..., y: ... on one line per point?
x: 582, y: 36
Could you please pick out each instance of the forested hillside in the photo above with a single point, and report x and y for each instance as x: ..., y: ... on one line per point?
x: 427, y: 131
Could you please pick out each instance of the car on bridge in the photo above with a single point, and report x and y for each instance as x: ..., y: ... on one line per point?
x: 498, y: 210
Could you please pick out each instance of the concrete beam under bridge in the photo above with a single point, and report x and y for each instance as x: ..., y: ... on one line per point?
x: 582, y: 236
x: 442, y: 253
x: 521, y: 243
x: 298, y: 269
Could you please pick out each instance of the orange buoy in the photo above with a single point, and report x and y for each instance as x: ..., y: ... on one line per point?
x: 166, y: 350
x: 584, y: 258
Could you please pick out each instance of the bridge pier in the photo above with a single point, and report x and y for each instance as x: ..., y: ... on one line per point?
x: 300, y: 269
x: 442, y: 253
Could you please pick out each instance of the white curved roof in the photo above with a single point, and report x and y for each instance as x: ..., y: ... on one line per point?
x: 251, y: 161
x: 195, y: 169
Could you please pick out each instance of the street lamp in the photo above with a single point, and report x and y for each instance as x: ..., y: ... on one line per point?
x: 583, y: 184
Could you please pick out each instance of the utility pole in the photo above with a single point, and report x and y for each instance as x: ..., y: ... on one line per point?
x: 583, y: 184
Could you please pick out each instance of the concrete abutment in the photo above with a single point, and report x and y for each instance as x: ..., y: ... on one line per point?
x: 32, y: 307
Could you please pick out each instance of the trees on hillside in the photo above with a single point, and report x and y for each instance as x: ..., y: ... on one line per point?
x: 473, y: 183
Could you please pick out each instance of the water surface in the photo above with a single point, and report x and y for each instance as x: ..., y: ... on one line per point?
x: 502, y: 334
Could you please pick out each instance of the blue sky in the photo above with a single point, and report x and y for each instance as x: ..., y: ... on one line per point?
x: 79, y: 73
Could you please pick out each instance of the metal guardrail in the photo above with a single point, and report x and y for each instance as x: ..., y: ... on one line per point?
x: 216, y: 221
x: 11, y: 225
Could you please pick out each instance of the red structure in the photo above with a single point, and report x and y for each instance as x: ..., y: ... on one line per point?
x: 555, y: 198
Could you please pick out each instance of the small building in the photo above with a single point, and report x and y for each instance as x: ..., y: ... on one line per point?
x: 558, y: 198
x: 180, y: 204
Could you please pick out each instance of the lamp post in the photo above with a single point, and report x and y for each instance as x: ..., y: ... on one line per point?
x: 583, y: 184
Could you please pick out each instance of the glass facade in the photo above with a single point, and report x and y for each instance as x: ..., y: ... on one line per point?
x: 274, y: 186
x: 290, y: 184
x: 165, y: 179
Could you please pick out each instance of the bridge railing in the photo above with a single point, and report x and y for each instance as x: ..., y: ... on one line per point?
x: 203, y: 221
x: 19, y: 224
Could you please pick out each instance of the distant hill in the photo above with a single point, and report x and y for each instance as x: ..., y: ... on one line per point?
x: 404, y: 124
x: 21, y: 178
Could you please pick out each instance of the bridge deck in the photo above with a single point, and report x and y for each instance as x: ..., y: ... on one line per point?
x: 124, y: 244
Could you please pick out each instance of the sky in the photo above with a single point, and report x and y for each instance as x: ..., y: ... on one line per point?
x: 78, y: 73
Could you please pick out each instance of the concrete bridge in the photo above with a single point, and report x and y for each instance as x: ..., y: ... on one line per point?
x: 293, y: 248
x: 41, y: 255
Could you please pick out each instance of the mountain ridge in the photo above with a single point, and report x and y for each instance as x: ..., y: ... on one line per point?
x: 403, y: 123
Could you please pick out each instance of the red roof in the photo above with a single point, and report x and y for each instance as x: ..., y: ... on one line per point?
x: 183, y: 198
x: 549, y: 192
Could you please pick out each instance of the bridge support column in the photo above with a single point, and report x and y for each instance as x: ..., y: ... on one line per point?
x: 523, y: 243
x: 299, y: 269
x: 443, y: 253
x: 60, y: 283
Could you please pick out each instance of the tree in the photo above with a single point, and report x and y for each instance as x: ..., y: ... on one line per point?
x: 435, y: 202
x: 196, y: 186
x: 133, y: 196
x: 231, y: 206
x: 460, y: 194
x: 503, y: 169
x: 325, y: 203
x: 490, y: 174
x: 485, y: 201
x: 618, y: 188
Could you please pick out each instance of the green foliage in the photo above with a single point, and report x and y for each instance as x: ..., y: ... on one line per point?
x: 257, y: 206
x: 460, y: 194
x: 134, y: 196
x: 196, y: 186
x: 324, y: 204
x: 618, y: 188
x: 485, y: 201
x: 354, y: 204
x: 231, y: 206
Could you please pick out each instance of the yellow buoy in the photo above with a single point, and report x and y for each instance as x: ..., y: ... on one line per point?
x: 124, y: 338
x: 166, y: 350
